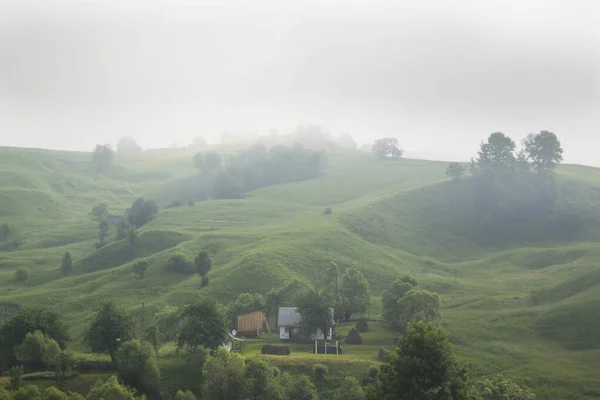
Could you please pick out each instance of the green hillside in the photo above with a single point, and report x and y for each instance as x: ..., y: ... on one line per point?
x: 519, y: 297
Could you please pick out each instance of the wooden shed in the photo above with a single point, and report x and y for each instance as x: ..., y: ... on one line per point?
x: 252, y: 323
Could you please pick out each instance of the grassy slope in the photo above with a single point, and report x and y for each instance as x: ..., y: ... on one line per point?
x: 388, y: 218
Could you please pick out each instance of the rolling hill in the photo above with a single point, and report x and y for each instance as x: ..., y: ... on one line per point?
x: 520, y: 297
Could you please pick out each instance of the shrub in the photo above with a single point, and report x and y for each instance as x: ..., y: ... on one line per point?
x: 22, y: 274
x: 16, y: 376
x: 276, y: 349
x: 174, y: 204
x: 319, y: 371
x: 204, y: 280
x: 383, y: 354
x: 353, y: 337
x: 327, y: 211
x: 179, y: 264
x: 187, y: 395
x: 373, y: 372
x: 362, y: 326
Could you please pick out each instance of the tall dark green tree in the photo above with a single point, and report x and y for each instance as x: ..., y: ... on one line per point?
x: 203, y: 263
x: 392, y: 296
x: 103, y: 228
x: 66, y: 265
x: 423, y: 367
x: 354, y: 292
x: 496, y: 155
x: 111, y: 327
x: 315, y: 310
x: 544, y: 150
x: 141, y: 212
x: 203, y: 324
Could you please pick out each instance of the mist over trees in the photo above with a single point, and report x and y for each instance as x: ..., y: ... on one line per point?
x: 128, y: 144
x: 387, y: 147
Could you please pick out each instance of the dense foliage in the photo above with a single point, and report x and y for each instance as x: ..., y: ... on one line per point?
x: 111, y: 327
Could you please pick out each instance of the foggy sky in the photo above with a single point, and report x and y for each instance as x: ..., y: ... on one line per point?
x: 439, y: 75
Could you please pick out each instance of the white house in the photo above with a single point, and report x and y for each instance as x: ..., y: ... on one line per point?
x: 288, y: 321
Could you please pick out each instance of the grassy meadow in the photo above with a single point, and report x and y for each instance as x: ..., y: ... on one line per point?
x: 523, y: 302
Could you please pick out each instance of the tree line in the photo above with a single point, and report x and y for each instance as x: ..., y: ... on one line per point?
x: 422, y: 366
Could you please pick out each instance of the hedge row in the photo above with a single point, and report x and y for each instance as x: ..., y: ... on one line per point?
x: 276, y: 349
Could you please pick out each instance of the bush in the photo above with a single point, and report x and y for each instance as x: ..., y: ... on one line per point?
x: 187, y: 395
x: 328, y: 211
x: 383, y: 354
x: 319, y: 371
x: 174, y: 204
x: 179, y: 265
x: 204, y: 281
x: 362, y: 326
x: 353, y: 337
x: 22, y: 274
x: 373, y: 371
x: 276, y: 349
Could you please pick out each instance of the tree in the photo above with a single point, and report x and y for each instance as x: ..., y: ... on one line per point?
x: 141, y: 212
x: 501, y: 389
x: 14, y: 331
x: 64, y: 364
x: 66, y: 266
x: 455, y: 170
x: 419, y: 305
x: 122, y: 228
x: 350, y: 390
x: 544, y: 150
x: 203, y: 324
x: 387, y: 147
x: 224, y: 376
x: 199, y: 142
x: 152, y: 335
x: 316, y: 314
x: 262, y: 382
x: 178, y: 263
x: 302, y: 388
x: 5, y: 232
x: 497, y: 155
x: 211, y: 162
x: 137, y: 367
x: 228, y: 186
x: 22, y: 274
x: 198, y: 161
x: 140, y: 268
x: 102, y: 157
x: 112, y: 390
x: 168, y: 321
x: 128, y: 144
x: 391, y: 297
x: 423, y: 367
x: 16, y: 377
x: 109, y: 329
x: 52, y: 393
x: 26, y: 392
x: 187, y: 395
x: 354, y: 293
x: 103, y: 228
x: 38, y: 351
x: 203, y: 263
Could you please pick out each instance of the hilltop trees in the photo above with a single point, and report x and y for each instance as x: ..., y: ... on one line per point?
x: 387, y: 147
x: 102, y: 157
x: 109, y: 329
x: 543, y: 150
x: 203, y: 325
x: 209, y: 162
x: 128, y: 144
x: 455, y: 171
x: 423, y: 367
x: 66, y: 266
x: 497, y: 155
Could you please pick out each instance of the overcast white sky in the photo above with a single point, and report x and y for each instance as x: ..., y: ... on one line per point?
x: 439, y: 75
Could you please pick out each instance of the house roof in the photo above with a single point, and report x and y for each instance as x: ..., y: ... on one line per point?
x: 288, y: 316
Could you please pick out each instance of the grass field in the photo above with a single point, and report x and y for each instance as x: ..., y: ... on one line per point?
x: 523, y: 303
